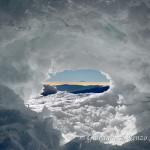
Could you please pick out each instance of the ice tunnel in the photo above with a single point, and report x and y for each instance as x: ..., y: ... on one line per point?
x: 52, y: 36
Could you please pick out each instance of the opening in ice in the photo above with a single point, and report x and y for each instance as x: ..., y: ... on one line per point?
x: 72, y: 98
x: 76, y: 82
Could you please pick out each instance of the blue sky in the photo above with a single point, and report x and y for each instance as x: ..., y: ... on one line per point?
x: 78, y: 75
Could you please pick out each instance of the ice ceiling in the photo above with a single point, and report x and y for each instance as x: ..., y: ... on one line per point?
x: 51, y: 36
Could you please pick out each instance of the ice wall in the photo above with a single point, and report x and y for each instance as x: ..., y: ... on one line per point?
x: 113, y: 36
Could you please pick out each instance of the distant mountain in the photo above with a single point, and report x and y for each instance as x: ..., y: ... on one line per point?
x: 99, y: 89
x: 73, y: 88
x: 76, y: 89
x: 82, y: 81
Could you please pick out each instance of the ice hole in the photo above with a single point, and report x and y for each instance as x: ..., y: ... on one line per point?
x: 76, y: 82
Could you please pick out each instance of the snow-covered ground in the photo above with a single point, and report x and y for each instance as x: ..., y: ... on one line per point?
x: 41, y: 37
x: 77, y: 115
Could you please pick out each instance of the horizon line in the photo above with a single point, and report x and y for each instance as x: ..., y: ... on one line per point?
x: 75, y: 83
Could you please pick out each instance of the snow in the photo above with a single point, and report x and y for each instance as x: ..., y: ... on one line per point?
x: 79, y: 115
x: 110, y: 37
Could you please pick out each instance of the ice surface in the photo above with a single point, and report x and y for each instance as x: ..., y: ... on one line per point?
x: 23, y: 129
x: 38, y: 37
x: 79, y: 115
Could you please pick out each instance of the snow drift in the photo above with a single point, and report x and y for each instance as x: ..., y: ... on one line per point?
x: 21, y: 128
x: 39, y: 37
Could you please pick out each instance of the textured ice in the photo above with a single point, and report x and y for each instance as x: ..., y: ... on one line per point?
x: 80, y: 115
x: 23, y: 129
x: 38, y: 37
